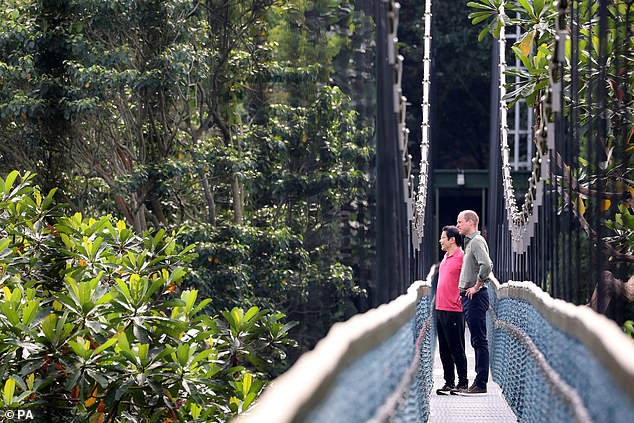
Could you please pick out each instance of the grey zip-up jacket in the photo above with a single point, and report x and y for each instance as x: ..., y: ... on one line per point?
x: 477, y: 264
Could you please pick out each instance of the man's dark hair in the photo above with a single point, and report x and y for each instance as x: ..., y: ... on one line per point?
x: 452, y: 232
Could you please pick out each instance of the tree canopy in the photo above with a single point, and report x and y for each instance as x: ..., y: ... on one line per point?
x: 244, y: 130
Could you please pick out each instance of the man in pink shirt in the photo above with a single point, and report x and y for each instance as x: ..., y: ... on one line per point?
x: 449, y: 315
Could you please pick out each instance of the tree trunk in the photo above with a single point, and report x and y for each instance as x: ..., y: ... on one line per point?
x: 238, y: 210
x: 209, y: 197
x: 617, y: 295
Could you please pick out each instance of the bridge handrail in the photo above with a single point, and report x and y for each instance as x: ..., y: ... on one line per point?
x: 558, y: 361
x: 294, y: 394
x: 599, y: 334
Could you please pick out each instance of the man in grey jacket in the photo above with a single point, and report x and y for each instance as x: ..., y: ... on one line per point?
x: 474, y: 277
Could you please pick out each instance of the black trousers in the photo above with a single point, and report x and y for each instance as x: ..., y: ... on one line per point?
x: 475, y: 310
x: 450, y: 328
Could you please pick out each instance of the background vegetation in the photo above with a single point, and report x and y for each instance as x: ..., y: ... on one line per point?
x: 194, y: 181
x: 594, y: 159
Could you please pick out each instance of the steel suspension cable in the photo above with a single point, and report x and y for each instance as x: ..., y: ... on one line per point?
x: 522, y: 221
x: 421, y: 196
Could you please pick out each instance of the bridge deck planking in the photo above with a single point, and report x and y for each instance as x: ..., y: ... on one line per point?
x: 488, y: 408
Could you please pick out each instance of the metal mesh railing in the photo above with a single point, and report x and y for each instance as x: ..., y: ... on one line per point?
x: 555, y: 362
x: 558, y: 362
x: 376, y: 367
x: 391, y: 383
x: 368, y: 381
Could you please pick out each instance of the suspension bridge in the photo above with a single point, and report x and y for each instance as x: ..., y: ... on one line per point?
x: 557, y: 353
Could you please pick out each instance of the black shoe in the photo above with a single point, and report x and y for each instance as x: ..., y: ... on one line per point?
x: 473, y: 390
x: 459, y: 388
x: 445, y: 390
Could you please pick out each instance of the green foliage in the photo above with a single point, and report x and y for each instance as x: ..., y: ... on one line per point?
x: 311, y: 155
x: 93, y: 328
x: 488, y: 9
x: 270, y: 266
x: 198, y: 115
x: 301, y: 169
x: 612, y: 207
x: 622, y: 228
x: 310, y: 34
x: 628, y: 328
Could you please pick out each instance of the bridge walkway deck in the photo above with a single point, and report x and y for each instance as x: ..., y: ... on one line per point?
x: 489, y: 408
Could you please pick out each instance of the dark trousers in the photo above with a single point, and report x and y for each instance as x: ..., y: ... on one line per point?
x: 475, y: 310
x: 450, y: 328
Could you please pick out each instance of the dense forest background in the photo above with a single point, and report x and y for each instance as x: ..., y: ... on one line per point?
x: 221, y: 148
x: 249, y: 125
x: 246, y: 125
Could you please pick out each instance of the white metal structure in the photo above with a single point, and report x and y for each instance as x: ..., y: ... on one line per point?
x: 520, y: 119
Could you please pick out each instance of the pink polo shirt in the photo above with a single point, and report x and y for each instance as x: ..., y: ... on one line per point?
x: 447, y: 292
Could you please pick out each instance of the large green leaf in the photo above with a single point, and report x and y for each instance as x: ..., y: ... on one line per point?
x: 8, y: 391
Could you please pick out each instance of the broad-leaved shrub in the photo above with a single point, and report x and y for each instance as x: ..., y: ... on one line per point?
x: 94, y: 326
